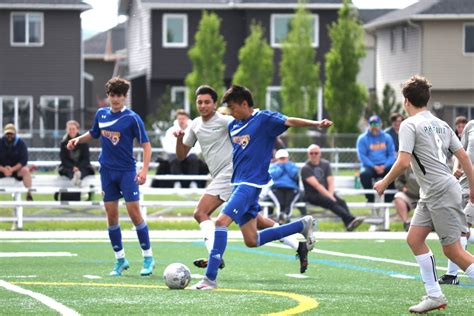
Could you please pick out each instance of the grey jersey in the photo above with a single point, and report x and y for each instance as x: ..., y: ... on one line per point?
x: 429, y: 139
x: 467, y: 141
x: 213, y: 136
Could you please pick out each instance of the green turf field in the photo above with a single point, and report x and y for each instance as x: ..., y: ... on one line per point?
x: 254, y: 281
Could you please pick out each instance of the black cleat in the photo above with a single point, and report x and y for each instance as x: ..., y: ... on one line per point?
x: 202, y: 263
x: 449, y: 279
x: 302, y: 254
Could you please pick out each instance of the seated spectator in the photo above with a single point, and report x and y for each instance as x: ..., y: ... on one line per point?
x: 377, y: 155
x: 319, y: 188
x: 396, y: 119
x: 407, y: 197
x: 190, y: 165
x: 285, y: 190
x: 459, y: 124
x: 75, y: 164
x: 14, y: 158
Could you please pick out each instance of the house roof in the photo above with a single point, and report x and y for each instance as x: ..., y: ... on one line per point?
x: 45, y: 4
x: 107, y: 43
x: 367, y: 15
x: 426, y: 10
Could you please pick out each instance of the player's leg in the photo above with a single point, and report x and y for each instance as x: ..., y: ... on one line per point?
x: 451, y: 276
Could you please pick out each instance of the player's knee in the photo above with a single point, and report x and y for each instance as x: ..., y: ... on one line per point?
x: 251, y: 243
x: 200, y: 215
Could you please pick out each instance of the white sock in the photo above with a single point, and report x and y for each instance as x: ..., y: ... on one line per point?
x: 470, y: 272
x: 147, y: 253
x: 453, y: 268
x: 428, y: 274
x: 290, y: 241
x: 471, y: 237
x: 208, y: 228
x: 120, y: 254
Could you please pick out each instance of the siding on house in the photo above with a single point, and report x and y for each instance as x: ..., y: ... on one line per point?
x: 138, y: 41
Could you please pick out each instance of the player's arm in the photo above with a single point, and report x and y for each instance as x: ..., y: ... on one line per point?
x: 401, y: 164
x: 182, y: 150
x: 141, y: 176
x: 466, y: 166
x: 300, y: 122
x: 84, y: 138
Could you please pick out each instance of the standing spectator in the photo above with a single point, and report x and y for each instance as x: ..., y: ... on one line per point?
x: 459, y: 124
x: 377, y: 154
x: 190, y: 165
x: 396, y: 119
x: 319, y: 188
x: 75, y: 164
x: 14, y: 158
x: 407, y: 197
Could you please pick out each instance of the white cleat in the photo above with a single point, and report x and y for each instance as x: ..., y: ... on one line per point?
x: 429, y: 303
x: 309, y: 226
x: 204, y: 284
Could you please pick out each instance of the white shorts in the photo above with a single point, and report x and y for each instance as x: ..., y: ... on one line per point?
x: 411, y: 202
x: 220, y: 186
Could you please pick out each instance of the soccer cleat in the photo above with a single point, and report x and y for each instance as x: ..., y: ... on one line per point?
x: 449, y: 279
x: 148, y: 266
x: 120, y: 265
x: 309, y: 226
x: 205, y: 284
x: 302, y: 254
x: 429, y: 303
x: 202, y: 263
x: 354, y: 224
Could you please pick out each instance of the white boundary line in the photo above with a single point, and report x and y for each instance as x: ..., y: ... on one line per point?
x: 51, y: 303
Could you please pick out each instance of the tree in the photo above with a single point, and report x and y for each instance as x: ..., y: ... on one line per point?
x: 298, y: 70
x: 344, y: 97
x: 207, y: 56
x: 255, y: 70
x: 389, y: 105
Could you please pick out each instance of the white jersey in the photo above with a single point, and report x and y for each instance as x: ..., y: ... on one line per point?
x: 467, y: 141
x: 429, y: 139
x: 213, y: 136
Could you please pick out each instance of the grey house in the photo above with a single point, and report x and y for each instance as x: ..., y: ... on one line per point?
x: 157, y: 61
x: 435, y: 39
x: 41, y: 64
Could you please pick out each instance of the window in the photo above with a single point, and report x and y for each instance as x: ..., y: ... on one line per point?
x: 179, y: 96
x: 175, y: 30
x: 392, y: 40
x: 26, y: 29
x: 56, y: 110
x: 469, y: 38
x: 19, y: 111
x: 404, y: 38
x: 273, y: 99
x: 280, y: 27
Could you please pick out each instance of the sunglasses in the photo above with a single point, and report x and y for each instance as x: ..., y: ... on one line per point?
x: 314, y: 153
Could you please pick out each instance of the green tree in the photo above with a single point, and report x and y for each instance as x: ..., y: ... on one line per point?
x: 299, y: 71
x: 389, y: 105
x: 207, y: 56
x: 255, y: 70
x: 344, y: 97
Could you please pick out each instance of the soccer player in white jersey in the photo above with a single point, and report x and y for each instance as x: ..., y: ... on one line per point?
x: 424, y: 142
x: 210, y: 130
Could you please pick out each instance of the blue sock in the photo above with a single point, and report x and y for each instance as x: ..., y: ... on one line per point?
x: 215, y: 257
x: 277, y: 233
x: 143, y: 236
x: 115, y: 235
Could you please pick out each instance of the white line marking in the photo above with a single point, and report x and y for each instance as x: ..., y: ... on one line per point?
x: 196, y: 276
x: 18, y: 276
x: 296, y: 276
x: 402, y: 276
x: 36, y: 254
x: 48, y: 301
x: 88, y: 276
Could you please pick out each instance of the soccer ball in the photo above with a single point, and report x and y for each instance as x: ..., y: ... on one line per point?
x: 177, y: 276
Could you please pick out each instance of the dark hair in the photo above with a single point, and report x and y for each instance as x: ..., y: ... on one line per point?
x: 460, y: 119
x: 417, y: 91
x: 118, y: 86
x: 205, y: 89
x: 395, y: 116
x: 238, y: 94
x: 181, y: 112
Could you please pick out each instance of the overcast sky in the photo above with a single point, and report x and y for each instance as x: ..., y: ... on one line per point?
x: 103, y: 16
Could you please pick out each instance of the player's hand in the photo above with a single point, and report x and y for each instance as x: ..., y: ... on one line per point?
x: 178, y: 133
x: 72, y: 143
x: 324, y: 123
x: 458, y: 173
x: 141, y: 177
x: 380, y: 187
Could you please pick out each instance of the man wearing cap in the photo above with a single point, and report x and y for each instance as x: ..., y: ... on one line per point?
x: 14, y: 158
x: 376, y: 153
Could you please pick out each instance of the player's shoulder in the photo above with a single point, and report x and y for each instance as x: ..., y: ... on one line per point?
x: 103, y: 110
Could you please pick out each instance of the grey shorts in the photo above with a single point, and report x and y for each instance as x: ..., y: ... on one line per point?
x: 220, y: 186
x: 411, y: 202
x: 444, y: 214
x: 468, y: 209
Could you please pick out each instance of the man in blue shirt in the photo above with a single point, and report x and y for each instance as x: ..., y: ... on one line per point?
x: 376, y: 153
x: 253, y: 135
x: 117, y: 127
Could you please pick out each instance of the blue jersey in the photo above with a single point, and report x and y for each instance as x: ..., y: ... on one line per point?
x: 116, y: 132
x: 253, y: 140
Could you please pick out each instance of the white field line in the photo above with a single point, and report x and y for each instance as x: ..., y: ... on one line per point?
x: 51, y: 303
x: 296, y: 276
x: 36, y: 254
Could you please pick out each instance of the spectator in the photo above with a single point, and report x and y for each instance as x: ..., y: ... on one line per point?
x: 396, y: 119
x: 407, y: 197
x: 75, y: 164
x: 190, y: 165
x: 285, y: 190
x: 377, y: 154
x: 319, y: 188
x: 459, y: 124
x: 14, y: 158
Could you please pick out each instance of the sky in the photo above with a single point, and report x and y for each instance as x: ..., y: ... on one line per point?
x: 103, y: 16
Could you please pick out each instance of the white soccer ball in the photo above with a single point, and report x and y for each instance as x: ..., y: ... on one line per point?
x: 177, y: 276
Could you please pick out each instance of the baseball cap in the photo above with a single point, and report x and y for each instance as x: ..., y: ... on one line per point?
x: 375, y: 120
x: 281, y: 153
x: 9, y: 128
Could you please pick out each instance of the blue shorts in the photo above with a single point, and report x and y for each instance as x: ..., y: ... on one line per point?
x: 242, y: 205
x: 117, y: 184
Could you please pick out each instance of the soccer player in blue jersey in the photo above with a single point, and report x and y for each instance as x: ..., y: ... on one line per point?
x: 117, y: 127
x: 253, y: 135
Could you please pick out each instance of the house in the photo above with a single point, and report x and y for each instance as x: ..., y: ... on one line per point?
x: 435, y: 39
x: 157, y: 61
x: 41, y: 66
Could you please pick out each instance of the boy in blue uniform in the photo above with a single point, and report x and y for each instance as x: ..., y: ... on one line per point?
x: 252, y: 135
x: 117, y: 127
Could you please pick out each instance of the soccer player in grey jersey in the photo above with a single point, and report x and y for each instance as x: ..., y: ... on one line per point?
x: 210, y: 130
x: 425, y: 141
